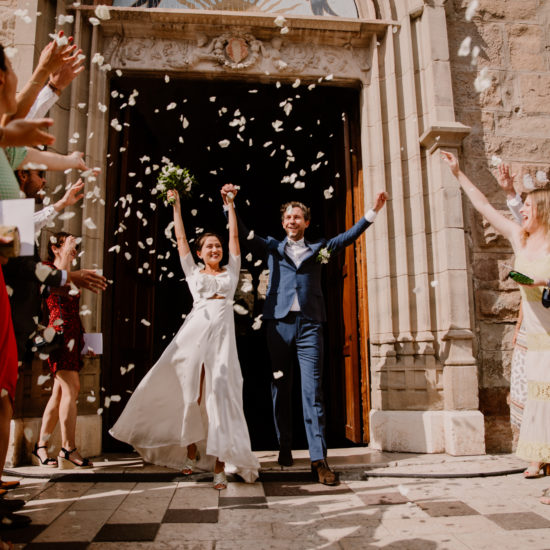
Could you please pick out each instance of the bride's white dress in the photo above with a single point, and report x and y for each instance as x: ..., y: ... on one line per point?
x: 163, y: 415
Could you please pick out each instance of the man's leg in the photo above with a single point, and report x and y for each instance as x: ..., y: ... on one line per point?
x: 281, y: 346
x: 309, y: 347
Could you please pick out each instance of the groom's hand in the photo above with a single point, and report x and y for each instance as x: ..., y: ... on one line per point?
x: 381, y: 199
x: 228, y: 188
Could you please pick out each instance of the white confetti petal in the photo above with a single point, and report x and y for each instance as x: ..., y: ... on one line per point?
x: 42, y: 271
x: 278, y: 374
x: 541, y: 176
x: 42, y: 379
x: 94, y: 21
x: 280, y: 21
x: 257, y: 322
x: 495, y: 161
x: 89, y: 223
x: 483, y: 81
x: 145, y: 322
x: 171, y: 106
x: 434, y: 283
x: 240, y: 309
x: 471, y: 10
x: 102, y: 12
x: 224, y: 143
x: 328, y: 192
x: 465, y: 46
x: 70, y: 344
x: 528, y: 182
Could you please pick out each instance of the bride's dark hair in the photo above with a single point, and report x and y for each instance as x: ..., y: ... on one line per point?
x: 203, y: 237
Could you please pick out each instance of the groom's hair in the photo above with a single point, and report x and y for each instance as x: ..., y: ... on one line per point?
x: 296, y: 204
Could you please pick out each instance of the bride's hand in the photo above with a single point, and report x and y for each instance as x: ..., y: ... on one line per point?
x: 229, y: 192
x: 174, y: 196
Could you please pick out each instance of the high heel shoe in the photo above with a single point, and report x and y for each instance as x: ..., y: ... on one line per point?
x: 220, y: 481
x: 65, y: 463
x: 190, y: 463
x: 37, y: 461
x: 535, y: 471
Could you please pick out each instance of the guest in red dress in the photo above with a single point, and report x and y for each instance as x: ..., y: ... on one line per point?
x: 65, y: 362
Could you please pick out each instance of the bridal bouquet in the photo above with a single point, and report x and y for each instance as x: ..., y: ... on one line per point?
x: 173, y: 177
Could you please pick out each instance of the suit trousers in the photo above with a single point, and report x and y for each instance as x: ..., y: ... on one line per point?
x: 289, y: 338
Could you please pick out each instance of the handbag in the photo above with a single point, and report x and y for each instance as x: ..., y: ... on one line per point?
x: 546, y: 297
x: 48, y: 340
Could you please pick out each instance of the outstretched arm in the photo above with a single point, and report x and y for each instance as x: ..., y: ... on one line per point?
x: 234, y: 248
x: 347, y: 237
x: 183, y: 245
x: 53, y: 161
x: 501, y: 223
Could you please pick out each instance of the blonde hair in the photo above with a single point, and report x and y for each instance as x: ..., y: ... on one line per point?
x: 541, y: 201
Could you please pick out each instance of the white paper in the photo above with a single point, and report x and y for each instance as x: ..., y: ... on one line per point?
x: 20, y: 212
x: 93, y: 342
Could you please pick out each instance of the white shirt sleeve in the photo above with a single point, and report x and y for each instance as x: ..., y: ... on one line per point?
x: 515, y: 205
x: 371, y: 215
x: 43, y: 217
x: 43, y: 103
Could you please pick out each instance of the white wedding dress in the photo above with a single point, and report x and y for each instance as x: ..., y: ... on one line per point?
x: 163, y: 415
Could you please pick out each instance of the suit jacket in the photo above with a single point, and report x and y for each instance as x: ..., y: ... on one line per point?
x: 285, y: 279
x: 20, y: 275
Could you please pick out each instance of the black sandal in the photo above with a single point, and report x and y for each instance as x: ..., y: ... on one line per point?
x: 65, y: 463
x: 49, y: 462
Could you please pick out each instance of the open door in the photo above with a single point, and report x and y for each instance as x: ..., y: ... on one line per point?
x: 350, y: 347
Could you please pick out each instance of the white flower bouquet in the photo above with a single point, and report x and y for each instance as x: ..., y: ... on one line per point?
x: 173, y: 177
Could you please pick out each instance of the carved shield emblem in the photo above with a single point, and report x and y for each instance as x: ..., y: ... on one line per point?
x: 236, y: 49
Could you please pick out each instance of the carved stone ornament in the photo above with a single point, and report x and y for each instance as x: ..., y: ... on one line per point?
x: 236, y: 51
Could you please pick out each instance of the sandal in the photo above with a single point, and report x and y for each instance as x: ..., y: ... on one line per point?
x: 545, y: 498
x: 190, y: 463
x: 534, y: 470
x: 220, y: 481
x: 65, y: 463
x: 37, y: 461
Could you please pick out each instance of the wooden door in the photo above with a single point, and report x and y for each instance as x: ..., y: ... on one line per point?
x: 350, y: 347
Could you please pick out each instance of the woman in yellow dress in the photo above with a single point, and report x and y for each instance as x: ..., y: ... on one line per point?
x: 531, y: 244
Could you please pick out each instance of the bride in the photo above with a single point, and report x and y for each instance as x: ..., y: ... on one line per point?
x: 187, y: 412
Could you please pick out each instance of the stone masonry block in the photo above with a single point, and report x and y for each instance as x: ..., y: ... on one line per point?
x: 497, y: 305
x: 464, y: 433
x: 535, y: 93
x: 407, y: 431
x: 526, y: 44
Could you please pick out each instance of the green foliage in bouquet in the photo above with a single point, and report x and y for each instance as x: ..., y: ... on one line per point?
x: 173, y: 177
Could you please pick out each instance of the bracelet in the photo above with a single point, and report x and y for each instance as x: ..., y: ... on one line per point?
x: 53, y: 87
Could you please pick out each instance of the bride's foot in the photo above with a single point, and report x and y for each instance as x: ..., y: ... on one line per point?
x: 191, y: 460
x: 220, y: 479
x: 535, y: 469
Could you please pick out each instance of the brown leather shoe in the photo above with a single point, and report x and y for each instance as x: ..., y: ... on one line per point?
x: 324, y: 474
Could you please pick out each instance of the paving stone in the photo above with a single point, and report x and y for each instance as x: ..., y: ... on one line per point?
x: 25, y: 534
x: 73, y: 545
x: 242, y: 503
x: 520, y: 520
x: 127, y: 532
x: 300, y: 489
x: 190, y: 515
x: 438, y: 508
x: 377, y: 499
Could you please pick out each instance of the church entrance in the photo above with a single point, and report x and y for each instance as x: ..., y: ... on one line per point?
x: 278, y: 141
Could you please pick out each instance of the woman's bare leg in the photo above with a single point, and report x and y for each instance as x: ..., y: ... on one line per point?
x: 49, y: 419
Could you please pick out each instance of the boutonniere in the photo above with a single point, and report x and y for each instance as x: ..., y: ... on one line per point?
x: 324, y: 255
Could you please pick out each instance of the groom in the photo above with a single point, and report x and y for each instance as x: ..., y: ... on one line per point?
x: 294, y: 313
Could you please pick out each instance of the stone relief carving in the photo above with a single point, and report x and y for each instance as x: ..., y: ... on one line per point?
x: 237, y: 51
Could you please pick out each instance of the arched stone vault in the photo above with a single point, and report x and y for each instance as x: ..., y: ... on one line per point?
x: 423, y: 372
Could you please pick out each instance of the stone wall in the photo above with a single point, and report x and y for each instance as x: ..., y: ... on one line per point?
x: 511, y: 120
x: 7, y: 21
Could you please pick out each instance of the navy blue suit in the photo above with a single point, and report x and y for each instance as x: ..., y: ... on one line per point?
x: 291, y: 334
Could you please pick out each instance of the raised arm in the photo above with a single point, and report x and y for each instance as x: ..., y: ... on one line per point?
x: 183, y: 245
x: 251, y: 241
x: 53, y: 161
x: 501, y: 223
x: 51, y: 60
x: 234, y: 248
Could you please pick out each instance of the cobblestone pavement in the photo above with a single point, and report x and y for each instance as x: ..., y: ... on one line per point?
x: 141, y: 507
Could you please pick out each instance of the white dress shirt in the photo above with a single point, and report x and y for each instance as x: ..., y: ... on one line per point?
x: 43, y: 103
